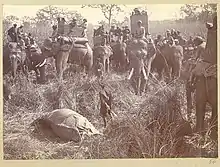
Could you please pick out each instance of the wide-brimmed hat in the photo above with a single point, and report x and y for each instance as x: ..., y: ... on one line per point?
x: 198, y: 39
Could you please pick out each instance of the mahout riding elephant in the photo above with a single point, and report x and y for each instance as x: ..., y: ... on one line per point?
x: 140, y: 60
x: 66, y: 50
x: 36, y: 62
x: 204, y: 79
x: 14, y: 58
x: 119, y: 56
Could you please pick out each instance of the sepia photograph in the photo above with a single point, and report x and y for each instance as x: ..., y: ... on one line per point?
x: 110, y: 81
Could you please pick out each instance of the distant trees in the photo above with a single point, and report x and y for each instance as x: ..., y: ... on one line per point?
x: 41, y: 25
x: 110, y: 11
x: 202, y: 13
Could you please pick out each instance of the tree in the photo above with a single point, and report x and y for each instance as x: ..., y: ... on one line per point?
x: 110, y: 11
x: 50, y: 13
x: 201, y: 13
x: 9, y: 20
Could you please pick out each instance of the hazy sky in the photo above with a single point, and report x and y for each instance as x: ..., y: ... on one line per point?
x: 156, y: 11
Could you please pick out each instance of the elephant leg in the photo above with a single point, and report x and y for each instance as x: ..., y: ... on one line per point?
x: 138, y: 85
x: 104, y: 65
x: 37, y: 73
x: 107, y: 65
x: 143, y: 85
x: 104, y: 120
x: 42, y: 74
x: 58, y: 62
x: 160, y: 74
x: 212, y: 99
x: 14, y: 67
x: 200, y: 104
x: 177, y: 68
x: 25, y: 70
x: 134, y: 84
x: 65, y: 56
x: 189, y: 100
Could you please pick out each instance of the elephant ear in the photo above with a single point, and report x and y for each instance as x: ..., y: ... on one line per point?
x: 55, y: 47
x: 13, y: 47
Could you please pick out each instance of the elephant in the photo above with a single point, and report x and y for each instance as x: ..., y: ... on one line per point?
x: 65, y: 50
x: 14, y: 58
x: 160, y: 65
x: 6, y: 91
x: 204, y: 80
x: 140, y: 59
x: 37, y: 62
x: 102, y: 54
x: 119, y: 56
x: 82, y: 54
x: 174, y: 57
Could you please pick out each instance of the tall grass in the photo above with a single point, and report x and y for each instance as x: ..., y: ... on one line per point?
x: 149, y: 126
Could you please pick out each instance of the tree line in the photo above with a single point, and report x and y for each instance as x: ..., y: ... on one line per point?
x: 45, y: 17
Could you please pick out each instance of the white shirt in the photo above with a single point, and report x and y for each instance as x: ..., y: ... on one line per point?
x: 140, y: 32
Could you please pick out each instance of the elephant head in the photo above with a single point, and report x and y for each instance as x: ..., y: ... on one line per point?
x: 102, y: 55
x: 36, y: 61
x: 119, y: 56
x: 60, y: 50
x: 14, y: 56
x: 140, y: 64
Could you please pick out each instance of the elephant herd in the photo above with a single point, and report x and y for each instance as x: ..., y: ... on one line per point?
x: 135, y: 55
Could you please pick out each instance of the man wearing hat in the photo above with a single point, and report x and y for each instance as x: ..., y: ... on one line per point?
x: 73, y: 23
x: 12, y: 34
x: 169, y: 38
x: 190, y: 41
x: 84, y: 25
x: 126, y: 33
x: 55, y: 31
x: 200, y: 43
x: 20, y: 30
x: 112, y: 33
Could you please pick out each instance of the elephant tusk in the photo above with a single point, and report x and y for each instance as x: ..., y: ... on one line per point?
x: 41, y: 64
x: 144, y: 73
x: 47, y: 48
x: 44, y: 62
x: 131, y: 73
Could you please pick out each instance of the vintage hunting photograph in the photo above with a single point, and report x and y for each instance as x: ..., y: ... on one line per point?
x: 109, y: 81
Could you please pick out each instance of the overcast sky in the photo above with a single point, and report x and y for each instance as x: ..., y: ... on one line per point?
x: 156, y: 11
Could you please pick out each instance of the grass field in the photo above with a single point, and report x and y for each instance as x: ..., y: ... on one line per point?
x: 130, y: 135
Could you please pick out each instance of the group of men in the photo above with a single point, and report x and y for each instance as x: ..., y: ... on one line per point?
x: 72, y: 25
x: 118, y: 32
x: 17, y: 35
x: 173, y: 37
